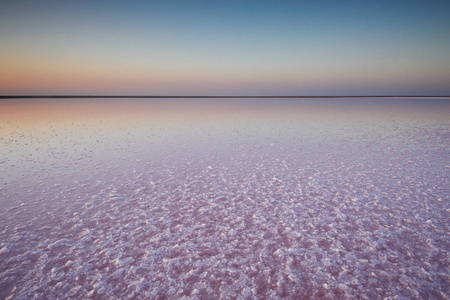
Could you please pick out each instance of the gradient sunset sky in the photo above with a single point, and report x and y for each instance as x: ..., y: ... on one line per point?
x: 225, y: 47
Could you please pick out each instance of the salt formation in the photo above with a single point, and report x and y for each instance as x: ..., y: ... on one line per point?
x: 326, y: 212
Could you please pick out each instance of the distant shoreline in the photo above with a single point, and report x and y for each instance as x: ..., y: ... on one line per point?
x: 200, y: 97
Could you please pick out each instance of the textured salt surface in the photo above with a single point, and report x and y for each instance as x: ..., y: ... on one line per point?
x: 231, y: 207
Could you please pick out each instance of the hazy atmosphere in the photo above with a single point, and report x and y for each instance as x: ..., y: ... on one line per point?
x: 225, y: 47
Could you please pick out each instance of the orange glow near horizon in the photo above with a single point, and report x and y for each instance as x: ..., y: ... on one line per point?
x: 36, y: 74
x: 40, y: 78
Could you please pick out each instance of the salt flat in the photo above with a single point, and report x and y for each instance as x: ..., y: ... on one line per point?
x: 207, y: 199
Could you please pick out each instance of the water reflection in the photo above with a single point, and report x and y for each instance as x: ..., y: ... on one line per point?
x: 254, y: 198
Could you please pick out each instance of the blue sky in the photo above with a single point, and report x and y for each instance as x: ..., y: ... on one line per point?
x: 225, y: 47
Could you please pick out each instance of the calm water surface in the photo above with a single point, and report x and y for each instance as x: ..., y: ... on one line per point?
x: 207, y: 199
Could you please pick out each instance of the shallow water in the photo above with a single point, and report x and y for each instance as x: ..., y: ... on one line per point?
x: 262, y: 199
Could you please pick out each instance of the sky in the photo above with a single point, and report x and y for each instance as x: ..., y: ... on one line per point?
x: 225, y: 47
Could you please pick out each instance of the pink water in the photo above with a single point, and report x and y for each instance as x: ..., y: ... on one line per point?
x: 207, y: 199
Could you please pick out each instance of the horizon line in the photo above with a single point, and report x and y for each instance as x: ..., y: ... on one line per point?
x: 209, y: 96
